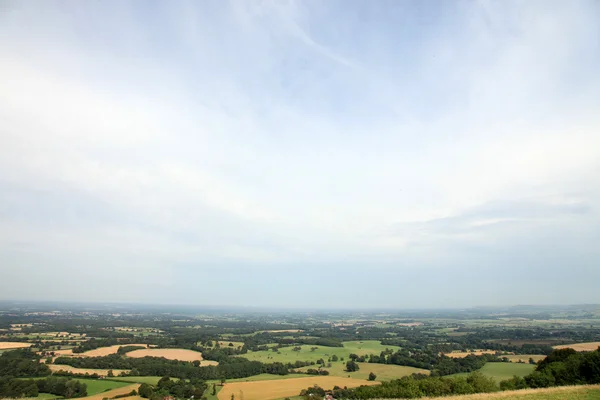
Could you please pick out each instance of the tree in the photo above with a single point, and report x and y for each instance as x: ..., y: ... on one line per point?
x: 372, y: 376
x: 214, y: 389
x: 532, y: 361
x: 334, y: 358
x: 145, y: 390
x: 353, y: 357
x: 110, y: 373
x: 352, y: 366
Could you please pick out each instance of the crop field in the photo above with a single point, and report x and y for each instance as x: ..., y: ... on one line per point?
x: 384, y: 372
x: 266, y: 390
x: 525, y: 357
x: 171, y: 354
x: 463, y: 354
x: 501, y: 371
x: 68, y: 368
x: 589, y: 392
x: 13, y: 345
x: 287, y: 354
x: 589, y: 346
x: 225, y: 343
x: 105, y: 351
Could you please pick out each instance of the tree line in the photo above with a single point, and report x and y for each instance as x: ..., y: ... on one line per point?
x: 65, y: 387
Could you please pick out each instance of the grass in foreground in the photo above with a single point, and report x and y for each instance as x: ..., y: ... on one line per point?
x: 586, y: 392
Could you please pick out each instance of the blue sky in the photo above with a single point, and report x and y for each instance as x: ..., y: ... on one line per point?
x: 300, y: 154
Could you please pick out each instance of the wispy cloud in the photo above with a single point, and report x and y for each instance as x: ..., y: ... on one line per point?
x: 174, y: 141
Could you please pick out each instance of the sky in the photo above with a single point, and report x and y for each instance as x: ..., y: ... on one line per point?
x: 325, y: 154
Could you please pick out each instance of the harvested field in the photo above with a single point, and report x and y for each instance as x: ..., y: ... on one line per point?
x: 584, y: 392
x: 171, y: 354
x: 68, y: 368
x: 540, y: 342
x: 115, y: 392
x: 525, y: 357
x: 225, y: 343
x: 463, y: 354
x: 589, y: 346
x: 410, y: 324
x: 265, y: 390
x: 13, y: 345
x: 105, y: 351
x: 285, y: 331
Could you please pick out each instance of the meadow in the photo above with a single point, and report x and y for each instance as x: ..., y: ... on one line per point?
x: 266, y: 390
x: 288, y: 355
x: 95, y: 386
x: 384, y: 372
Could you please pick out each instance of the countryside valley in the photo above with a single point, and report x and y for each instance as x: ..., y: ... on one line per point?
x: 122, y: 351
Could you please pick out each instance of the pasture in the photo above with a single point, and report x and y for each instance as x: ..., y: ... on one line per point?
x: 172, y: 354
x: 275, y: 389
x: 501, y: 371
x: 384, y: 372
x: 287, y: 354
x: 589, y: 346
x: 95, y: 386
x: 13, y: 345
x: 122, y: 389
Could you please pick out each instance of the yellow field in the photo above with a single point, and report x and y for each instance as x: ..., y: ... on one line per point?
x: 285, y: 331
x: 525, y: 357
x: 115, y: 392
x: 589, y: 346
x: 275, y: 389
x: 583, y: 392
x: 172, y: 354
x: 225, y: 343
x: 68, y: 368
x: 105, y: 351
x: 13, y: 345
x: 463, y: 354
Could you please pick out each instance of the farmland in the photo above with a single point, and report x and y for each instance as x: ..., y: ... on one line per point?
x: 104, y: 351
x: 13, y: 345
x: 525, y: 357
x: 462, y: 354
x: 266, y: 390
x: 68, y: 368
x: 171, y: 354
x: 95, y: 386
x: 502, y: 371
x: 589, y: 346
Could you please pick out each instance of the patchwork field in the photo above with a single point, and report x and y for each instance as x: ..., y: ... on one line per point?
x: 525, y: 357
x: 68, y: 368
x: 590, y: 392
x: 171, y: 354
x: 287, y: 354
x: 463, y: 354
x: 105, y: 351
x: 266, y: 390
x: 13, y: 345
x: 589, y: 346
x: 384, y: 372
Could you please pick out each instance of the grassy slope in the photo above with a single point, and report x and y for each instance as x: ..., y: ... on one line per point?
x: 95, y: 386
x: 288, y: 355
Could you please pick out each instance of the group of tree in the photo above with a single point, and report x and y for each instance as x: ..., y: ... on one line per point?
x: 65, y: 387
x: 22, y: 363
x: 180, y: 389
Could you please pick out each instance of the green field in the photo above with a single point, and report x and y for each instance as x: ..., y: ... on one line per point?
x: 384, y: 372
x: 501, y: 371
x: 286, y: 354
x: 95, y: 386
